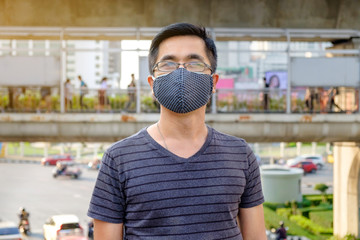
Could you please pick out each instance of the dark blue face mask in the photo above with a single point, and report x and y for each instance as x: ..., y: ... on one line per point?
x: 182, y: 91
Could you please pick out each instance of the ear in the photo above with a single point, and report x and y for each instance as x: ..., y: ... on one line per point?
x: 215, y: 77
x: 151, y: 82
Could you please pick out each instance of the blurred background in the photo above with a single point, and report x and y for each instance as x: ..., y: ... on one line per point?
x: 73, y: 79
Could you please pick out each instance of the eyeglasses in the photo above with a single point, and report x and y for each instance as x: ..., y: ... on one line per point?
x: 167, y: 66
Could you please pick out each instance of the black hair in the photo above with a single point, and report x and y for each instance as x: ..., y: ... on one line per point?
x: 182, y: 29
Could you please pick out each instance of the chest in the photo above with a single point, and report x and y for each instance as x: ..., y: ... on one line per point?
x: 160, y: 181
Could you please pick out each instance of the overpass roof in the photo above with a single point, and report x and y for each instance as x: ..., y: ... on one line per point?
x: 147, y: 33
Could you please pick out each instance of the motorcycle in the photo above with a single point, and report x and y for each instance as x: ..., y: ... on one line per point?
x: 66, y: 169
x: 24, y: 227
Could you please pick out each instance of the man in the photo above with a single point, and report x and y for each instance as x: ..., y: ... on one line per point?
x: 266, y: 95
x: 83, y: 91
x: 281, y: 232
x: 23, y: 215
x: 179, y: 178
x: 131, y: 92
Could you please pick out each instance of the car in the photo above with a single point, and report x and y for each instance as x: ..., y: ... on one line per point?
x: 317, y: 159
x: 52, y: 160
x: 66, y: 168
x: 62, y: 227
x: 307, y: 166
x: 9, y: 231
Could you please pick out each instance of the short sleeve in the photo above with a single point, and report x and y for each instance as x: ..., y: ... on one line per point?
x: 253, y: 194
x: 108, y: 199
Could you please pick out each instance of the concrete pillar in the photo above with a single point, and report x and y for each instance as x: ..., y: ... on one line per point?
x: 298, y: 148
x: 21, y: 149
x: 96, y: 149
x: 346, y: 189
x: 256, y: 148
x: 78, y: 152
x: 62, y: 149
x: 328, y: 148
x: 282, y: 149
x: 313, y: 148
x: 6, y: 150
x: 46, y: 150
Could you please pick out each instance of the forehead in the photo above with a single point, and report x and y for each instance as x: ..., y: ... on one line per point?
x: 182, y: 47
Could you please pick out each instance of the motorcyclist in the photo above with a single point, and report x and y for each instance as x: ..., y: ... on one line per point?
x: 61, y: 168
x: 23, y: 216
x: 281, y: 232
x: 91, y: 229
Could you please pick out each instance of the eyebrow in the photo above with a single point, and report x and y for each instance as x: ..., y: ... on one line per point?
x: 189, y: 57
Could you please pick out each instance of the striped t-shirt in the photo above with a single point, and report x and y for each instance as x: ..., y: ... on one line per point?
x: 159, y: 195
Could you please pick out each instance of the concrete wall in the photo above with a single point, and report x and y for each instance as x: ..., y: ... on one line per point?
x: 339, y: 14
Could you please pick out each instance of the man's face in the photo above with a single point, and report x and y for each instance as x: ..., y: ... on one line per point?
x: 182, y: 49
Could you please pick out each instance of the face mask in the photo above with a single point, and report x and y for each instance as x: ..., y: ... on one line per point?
x: 182, y: 91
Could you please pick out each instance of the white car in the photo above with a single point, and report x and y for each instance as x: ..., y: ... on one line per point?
x: 317, y: 159
x: 63, y: 226
x: 9, y: 231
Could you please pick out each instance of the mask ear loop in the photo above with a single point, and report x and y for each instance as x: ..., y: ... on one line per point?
x: 213, y: 87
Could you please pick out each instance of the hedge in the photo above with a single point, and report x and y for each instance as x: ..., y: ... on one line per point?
x: 317, y: 199
x: 310, y: 225
x: 320, y: 208
x: 322, y: 218
x: 272, y: 221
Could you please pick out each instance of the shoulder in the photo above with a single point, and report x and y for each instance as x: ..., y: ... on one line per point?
x: 228, y: 139
x: 234, y: 145
x: 128, y: 144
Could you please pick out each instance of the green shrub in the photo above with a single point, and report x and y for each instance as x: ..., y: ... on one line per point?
x: 284, y: 212
x: 322, y: 218
x: 306, y: 203
x: 317, y: 199
x: 322, y: 207
x: 309, y: 225
x: 148, y: 104
x: 347, y: 237
x: 273, y: 206
x: 272, y: 221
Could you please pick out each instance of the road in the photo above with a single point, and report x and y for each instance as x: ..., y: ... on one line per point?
x: 324, y: 175
x: 33, y: 187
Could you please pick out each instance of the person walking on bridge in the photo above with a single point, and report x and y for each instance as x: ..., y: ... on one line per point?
x: 179, y: 178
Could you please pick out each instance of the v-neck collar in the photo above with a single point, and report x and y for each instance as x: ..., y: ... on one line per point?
x: 166, y: 152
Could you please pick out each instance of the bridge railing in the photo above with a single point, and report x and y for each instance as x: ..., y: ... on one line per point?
x: 46, y: 99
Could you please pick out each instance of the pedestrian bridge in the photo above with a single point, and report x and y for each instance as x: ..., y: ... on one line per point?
x: 110, y: 127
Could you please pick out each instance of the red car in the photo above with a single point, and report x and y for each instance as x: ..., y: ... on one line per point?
x: 307, y: 166
x: 52, y: 160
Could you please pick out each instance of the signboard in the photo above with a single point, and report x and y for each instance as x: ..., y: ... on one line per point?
x: 325, y: 72
x: 276, y: 79
x: 29, y: 71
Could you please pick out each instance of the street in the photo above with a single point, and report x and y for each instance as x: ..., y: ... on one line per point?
x: 33, y: 187
x: 325, y: 175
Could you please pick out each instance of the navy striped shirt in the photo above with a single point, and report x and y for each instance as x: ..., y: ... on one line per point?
x: 158, y: 195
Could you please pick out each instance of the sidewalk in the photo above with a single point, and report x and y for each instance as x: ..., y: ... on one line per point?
x: 36, y: 159
x: 20, y: 159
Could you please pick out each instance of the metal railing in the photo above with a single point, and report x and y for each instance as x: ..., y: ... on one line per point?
x: 42, y: 100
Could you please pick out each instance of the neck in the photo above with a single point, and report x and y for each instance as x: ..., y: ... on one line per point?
x: 189, y: 125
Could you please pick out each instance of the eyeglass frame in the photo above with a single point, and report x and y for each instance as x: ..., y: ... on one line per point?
x: 184, y: 65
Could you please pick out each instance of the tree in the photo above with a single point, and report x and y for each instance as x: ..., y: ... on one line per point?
x: 322, y: 188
